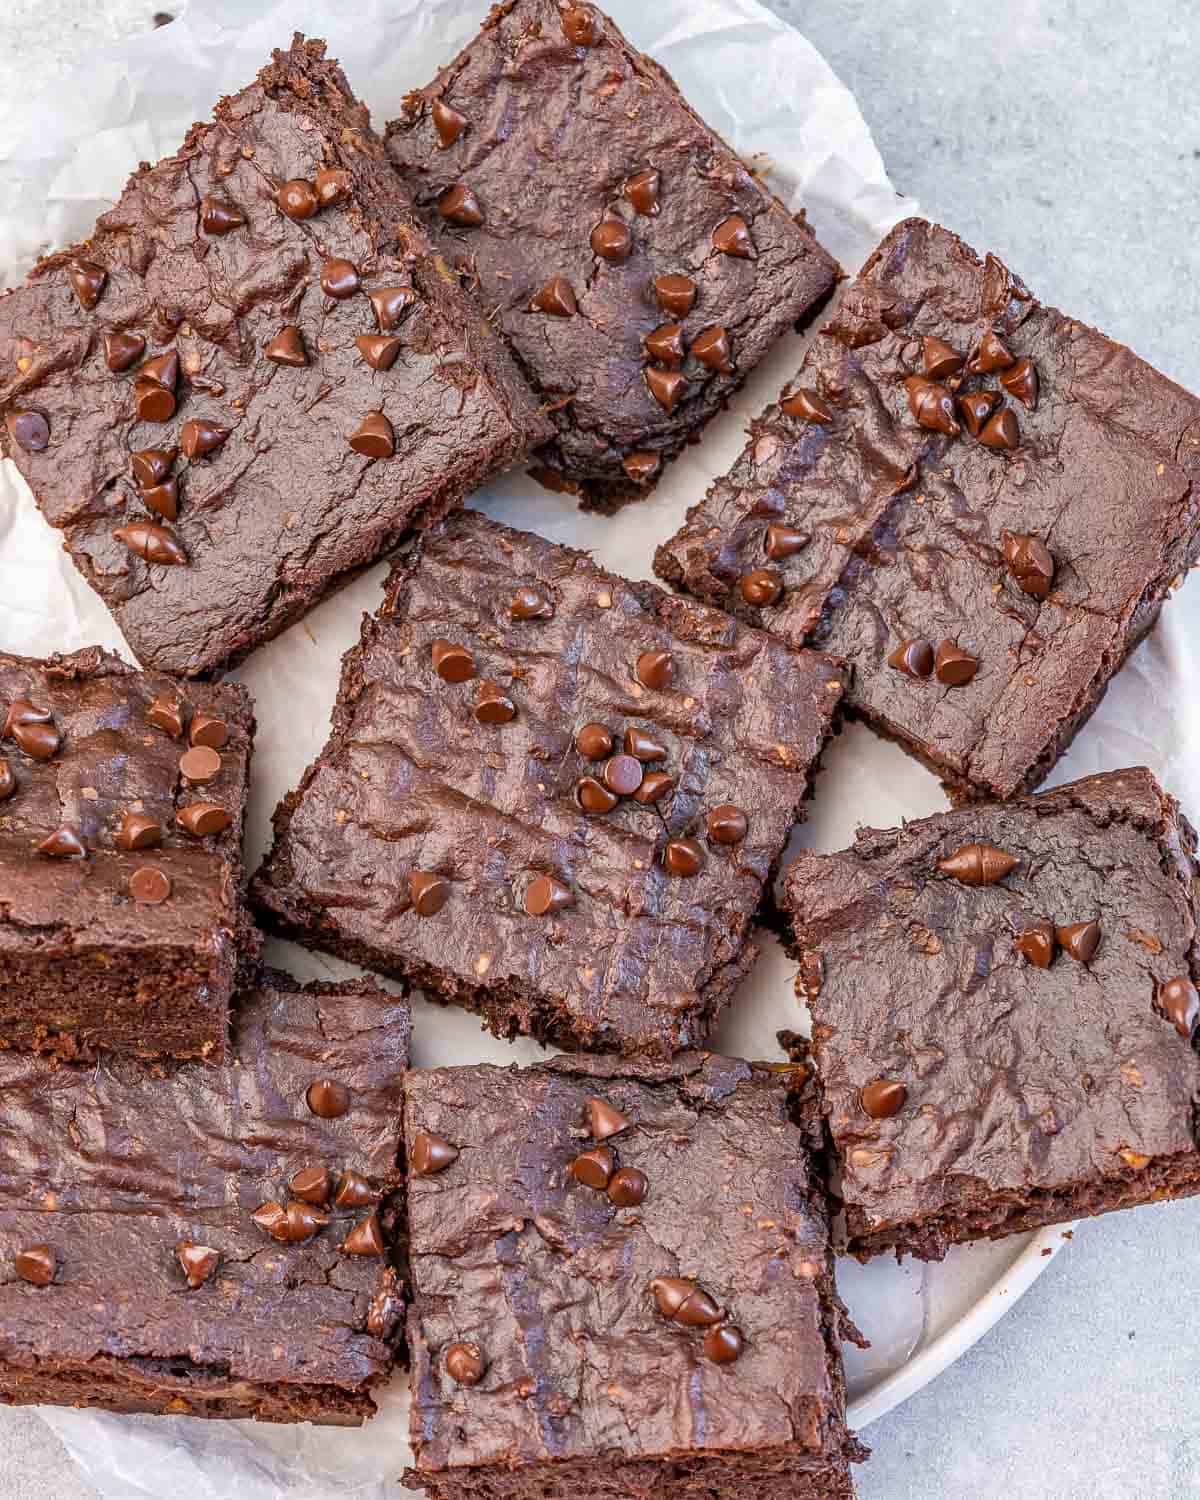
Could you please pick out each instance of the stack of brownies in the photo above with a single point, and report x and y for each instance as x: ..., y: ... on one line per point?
x: 557, y: 797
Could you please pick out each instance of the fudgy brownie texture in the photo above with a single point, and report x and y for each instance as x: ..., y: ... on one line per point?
x: 550, y: 795
x: 622, y: 1285
x: 121, y: 800
x: 253, y: 377
x: 978, y: 502
x: 635, y: 264
x: 1004, y: 1013
x: 151, y: 1258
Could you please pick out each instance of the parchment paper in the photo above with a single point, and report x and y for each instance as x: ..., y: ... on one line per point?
x: 769, y: 92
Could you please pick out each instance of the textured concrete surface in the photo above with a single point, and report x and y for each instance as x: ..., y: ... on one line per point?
x: 1066, y: 137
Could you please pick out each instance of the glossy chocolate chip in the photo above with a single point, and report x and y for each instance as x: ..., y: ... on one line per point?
x: 580, y: 25
x: 88, y: 281
x: 448, y: 122
x: 218, y: 216
x: 594, y: 742
x: 121, y: 350
x: 459, y: 205
x: 390, y: 304
x: 557, y: 298
x: 654, y: 669
x: 593, y: 797
x: 641, y: 466
x: 1080, y: 940
x: 209, y: 731
x: 732, y: 237
x: 546, y: 897
x: 64, y: 843
x: 374, y: 437
x: 665, y: 344
x: 139, y: 831
x: 153, y: 544
x: 675, y: 294
x: 151, y: 466
x: 23, y: 711
x: 153, y: 402
x: 670, y: 1293
x: 8, y: 782
x: 913, y: 658
x: 954, y: 666
x: 298, y: 199
x: 783, y: 541
x: 1038, y: 943
x: 29, y: 430
x: 354, y: 1191
x: 655, y: 786
x: 162, y: 370
x: 36, y: 1264
x: 698, y: 1310
x: 623, y: 775
x: 594, y: 1168
x: 1029, y: 561
x: 975, y: 408
x: 683, y: 857
x: 300, y: 1222
x: 666, y: 386
x: 379, y: 350
x: 727, y: 824
x: 1000, y: 431
x: 339, y: 279
x: 431, y: 1154
x: 200, y: 764
x: 761, y: 587
x: 992, y: 355
x: 723, y: 1344
x: 603, y: 1119
x: 166, y: 713
x: 334, y: 186
x: 1178, y: 1002
x: 465, y: 1364
x: 712, y: 348
x: 199, y: 437
x: 883, y: 1098
x: 327, y: 1098
x: 978, y: 864
x: 201, y: 819
x: 642, y: 190
x: 531, y: 602
x: 612, y: 239
x: 932, y: 405
x: 287, y: 348
x: 628, y: 1187
x: 941, y: 361
x: 271, y: 1218
x: 39, y: 740
x: 312, y: 1185
x: 366, y: 1238
x: 807, y: 406
x: 149, y: 886
x: 1020, y: 380
x: 494, y: 706
x: 451, y: 662
x: 163, y: 499
x: 198, y: 1262
x: 428, y: 892
x: 643, y: 746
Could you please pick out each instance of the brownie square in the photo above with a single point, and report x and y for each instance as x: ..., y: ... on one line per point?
x: 550, y: 795
x: 1004, y: 1011
x: 254, y: 377
x: 985, y: 542
x: 121, y: 886
x: 636, y: 265
x: 622, y: 1285
x: 151, y: 1258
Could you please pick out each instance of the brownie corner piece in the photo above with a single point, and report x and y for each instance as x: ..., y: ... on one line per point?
x: 253, y: 377
x: 689, y: 1328
x: 122, y: 795
x: 977, y: 501
x: 1004, y: 1012
x: 550, y: 795
x: 637, y: 266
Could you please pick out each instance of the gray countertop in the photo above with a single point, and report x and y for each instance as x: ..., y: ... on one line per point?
x: 1065, y: 136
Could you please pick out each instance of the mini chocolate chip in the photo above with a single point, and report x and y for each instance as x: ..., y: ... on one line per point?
x: 431, y: 1154
x: 339, y: 279
x: 941, y: 361
x: 448, y: 122
x: 727, y: 824
x: 121, y: 350
x: 334, y: 186
x: 29, y: 430
x: 1001, y: 431
x: 883, y: 1098
x: 978, y: 864
x: 1080, y: 940
x: 954, y: 666
x: 153, y: 402
x: 218, y: 216
x: 166, y: 713
x: 683, y: 857
x: 163, y: 499
x: 712, y: 348
x: 152, y: 465
x: 149, y: 886
x: 991, y: 355
x: 153, y: 544
x: 594, y: 742
x: 451, y: 662
x: 8, y: 782
x: 623, y: 775
x: 1029, y: 561
x: 913, y: 658
x: 932, y: 405
x: 666, y: 386
x: 366, y: 1238
x: 1021, y: 381
x: 628, y: 1187
x: 807, y: 406
x: 428, y: 892
x: 784, y: 541
x: 546, y: 897
x: 641, y: 466
x: 642, y: 190
x: 390, y: 304
x: 732, y: 237
x: 88, y: 280
x: 298, y: 199
x: 287, y: 348
x: 203, y: 818
x: 138, y: 831
x: 459, y: 205
x: 612, y: 239
x: 642, y: 745
x: 64, y: 843
x: 581, y: 25
x: 676, y: 294
x: 1178, y: 1002
x: 494, y: 706
x: 354, y: 1191
x: 312, y: 1185
x: 762, y: 587
x: 655, y: 786
x: 723, y: 1344
x: 698, y: 1310
x: 975, y: 408
x: 378, y: 349
x: 39, y: 741
x: 593, y: 797
x: 200, y: 764
x: 209, y: 730
x: 665, y: 343
x: 465, y: 1364
x: 327, y: 1098
x: 654, y: 669
x: 594, y: 1168
x: 603, y: 1119
x: 557, y: 298
x: 374, y: 437
x: 531, y: 602
x: 36, y: 1264
x: 1037, y: 943
x: 198, y: 438
x: 197, y: 1261
x: 162, y: 370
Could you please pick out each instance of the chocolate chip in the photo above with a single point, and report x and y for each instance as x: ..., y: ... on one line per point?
x: 941, y: 361
x: 29, y: 430
x: 1029, y: 561
x: 448, y: 122
x: 1178, y: 1002
x: 594, y: 1168
x: 210, y: 731
x: 641, y: 466
x: 139, y: 831
x: 374, y: 436
x: 784, y: 541
x: 327, y: 1098
x: 683, y: 857
x: 531, y: 602
x: 1080, y: 940
x: 428, y: 892
x: 612, y: 239
x: 153, y: 402
x: 727, y: 824
x: 978, y: 864
x: 932, y: 405
x: 1037, y: 943
x: 166, y: 713
x: 163, y: 499
x: 378, y: 349
x: 557, y: 298
x: 666, y: 386
x: 459, y: 205
x: 655, y: 786
x: 546, y: 897
x: 218, y: 216
x: 88, y: 280
x: 152, y: 465
x: 386, y: 1307
x: 198, y: 1262
x: 913, y: 658
x: 154, y: 544
x: 642, y: 190
x: 732, y: 237
x: 39, y: 740
x: 991, y: 355
x: 334, y: 186
x: 312, y: 1185
x: 954, y: 666
x: 883, y: 1098
x: 975, y: 408
x: 200, y: 764
x: 354, y: 1191
x: 594, y: 742
x: 199, y: 437
x: 430, y: 1154
x: 712, y: 348
x: 451, y: 662
x: 675, y: 294
x: 298, y: 1222
x: 654, y: 669
x: 22, y: 711
x: 493, y: 705
x: 36, y: 1264
x: 298, y: 199
x: 390, y: 304
x: 339, y: 279
x: 121, y: 350
x: 149, y: 886
x: 807, y: 406
x: 643, y: 746
x: 698, y: 1310
x: 8, y: 782
x: 581, y: 25
x: 465, y: 1364
x: 723, y: 1344
x: 366, y: 1238
x: 665, y: 344
x: 670, y: 1293
x: 203, y: 818
x: 287, y: 348
x: 271, y: 1218
x: 162, y: 370
x: 593, y: 797
x: 603, y: 1119
x: 1021, y: 381
x: 1001, y: 431
x: 628, y: 1187
x: 623, y: 775
x: 64, y: 843
x: 761, y: 587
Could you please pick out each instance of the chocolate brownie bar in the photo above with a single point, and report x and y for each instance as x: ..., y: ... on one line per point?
x: 1004, y: 1009
x: 636, y: 265
x: 121, y: 800
x: 219, y: 1242
x: 978, y: 502
x: 253, y: 377
x: 622, y: 1285
x: 550, y: 795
